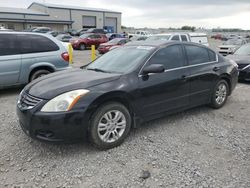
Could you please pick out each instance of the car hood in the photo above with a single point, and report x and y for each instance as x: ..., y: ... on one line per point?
x: 240, y: 59
x: 227, y: 46
x: 54, y: 84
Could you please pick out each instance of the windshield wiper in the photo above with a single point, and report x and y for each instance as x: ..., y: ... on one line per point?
x: 97, y: 70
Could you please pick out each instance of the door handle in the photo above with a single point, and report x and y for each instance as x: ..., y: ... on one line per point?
x: 184, y: 78
x: 216, y: 69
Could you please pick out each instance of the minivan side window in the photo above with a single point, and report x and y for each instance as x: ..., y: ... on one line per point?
x: 196, y: 55
x: 36, y: 43
x: 171, y: 57
x: 8, y: 45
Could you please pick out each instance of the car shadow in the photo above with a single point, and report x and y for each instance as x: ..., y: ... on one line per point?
x: 10, y: 91
x: 81, y: 148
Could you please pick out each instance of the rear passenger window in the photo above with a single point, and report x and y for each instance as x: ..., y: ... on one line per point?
x: 171, y: 57
x: 212, y: 55
x: 8, y: 45
x: 196, y: 55
x: 184, y: 38
x: 36, y: 44
x: 176, y: 37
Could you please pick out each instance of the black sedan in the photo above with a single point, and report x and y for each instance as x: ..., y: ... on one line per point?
x: 242, y: 58
x: 123, y: 88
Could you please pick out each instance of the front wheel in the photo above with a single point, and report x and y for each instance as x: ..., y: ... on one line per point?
x: 109, y: 125
x: 38, y: 74
x: 220, y: 94
x: 82, y: 47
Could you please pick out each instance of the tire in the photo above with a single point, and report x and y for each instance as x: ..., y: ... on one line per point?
x: 220, y: 94
x: 104, y: 134
x: 82, y: 47
x: 38, y: 74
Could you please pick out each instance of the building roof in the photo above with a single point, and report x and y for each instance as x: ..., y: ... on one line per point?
x: 48, y: 5
x: 9, y: 10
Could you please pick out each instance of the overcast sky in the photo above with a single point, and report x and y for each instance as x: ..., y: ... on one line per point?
x: 165, y: 13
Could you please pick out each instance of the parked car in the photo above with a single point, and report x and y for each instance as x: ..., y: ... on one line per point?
x: 41, y: 29
x: 53, y: 33
x: 4, y: 29
x: 138, y: 38
x: 64, y: 37
x: 72, y: 32
x: 95, y: 30
x: 27, y: 56
x: 200, y: 38
x: 129, y: 85
x: 230, y: 46
x: 88, y: 39
x: 139, y: 34
x: 112, y: 36
x: 105, y: 47
x: 242, y: 58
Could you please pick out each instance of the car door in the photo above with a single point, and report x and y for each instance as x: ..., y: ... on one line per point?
x: 91, y: 40
x: 163, y: 92
x: 204, y: 71
x: 10, y: 60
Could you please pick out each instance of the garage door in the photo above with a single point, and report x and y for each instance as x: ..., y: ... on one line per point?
x: 111, y: 22
x: 89, y: 22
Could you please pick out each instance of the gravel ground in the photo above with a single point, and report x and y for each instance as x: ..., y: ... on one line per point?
x: 201, y: 147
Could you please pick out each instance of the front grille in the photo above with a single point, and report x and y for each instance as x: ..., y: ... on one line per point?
x: 242, y: 66
x: 224, y: 48
x: 27, y: 101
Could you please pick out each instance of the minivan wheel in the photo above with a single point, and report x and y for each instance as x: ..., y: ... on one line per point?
x: 38, y: 74
x: 109, y: 125
x: 220, y: 94
x: 82, y: 47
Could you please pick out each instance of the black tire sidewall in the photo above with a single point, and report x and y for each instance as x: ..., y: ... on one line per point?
x: 37, y: 73
x: 214, y: 103
x: 93, y: 133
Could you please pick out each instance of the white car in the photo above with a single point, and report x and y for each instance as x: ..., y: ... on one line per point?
x: 230, y: 46
x: 200, y: 38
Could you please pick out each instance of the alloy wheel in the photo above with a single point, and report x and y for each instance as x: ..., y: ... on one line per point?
x: 111, y: 126
x: 221, y: 93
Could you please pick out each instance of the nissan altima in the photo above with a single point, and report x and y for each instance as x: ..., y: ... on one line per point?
x: 129, y: 85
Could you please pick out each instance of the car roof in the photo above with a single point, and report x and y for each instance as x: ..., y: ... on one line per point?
x: 162, y: 43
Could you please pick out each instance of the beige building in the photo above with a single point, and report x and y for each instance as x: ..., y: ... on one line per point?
x: 59, y: 17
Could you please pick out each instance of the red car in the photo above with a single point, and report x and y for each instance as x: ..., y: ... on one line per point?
x: 88, y: 39
x: 105, y: 47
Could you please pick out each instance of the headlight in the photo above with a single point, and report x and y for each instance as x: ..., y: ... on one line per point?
x: 64, y: 102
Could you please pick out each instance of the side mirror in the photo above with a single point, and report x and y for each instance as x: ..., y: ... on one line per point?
x: 154, y: 68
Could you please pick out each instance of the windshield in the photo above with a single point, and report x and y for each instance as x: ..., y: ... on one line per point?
x: 158, y: 37
x: 121, y: 60
x: 233, y: 42
x: 84, y: 36
x: 114, y: 41
x: 243, y: 50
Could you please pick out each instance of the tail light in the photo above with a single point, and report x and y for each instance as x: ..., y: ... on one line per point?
x: 65, y: 56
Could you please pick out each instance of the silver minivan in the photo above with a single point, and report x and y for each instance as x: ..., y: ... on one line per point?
x: 27, y: 56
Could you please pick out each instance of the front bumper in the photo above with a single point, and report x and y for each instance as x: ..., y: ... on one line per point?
x: 53, y: 127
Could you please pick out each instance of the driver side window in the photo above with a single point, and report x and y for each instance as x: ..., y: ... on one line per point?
x: 170, y: 57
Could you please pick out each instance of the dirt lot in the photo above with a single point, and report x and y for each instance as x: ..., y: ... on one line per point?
x: 201, y: 147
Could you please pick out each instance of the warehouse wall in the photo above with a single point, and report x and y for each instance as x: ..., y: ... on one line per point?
x: 77, y: 16
x: 119, y: 20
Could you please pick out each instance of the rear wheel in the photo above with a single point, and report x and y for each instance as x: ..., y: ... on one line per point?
x: 38, y: 74
x: 82, y: 47
x: 109, y: 126
x: 220, y: 94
